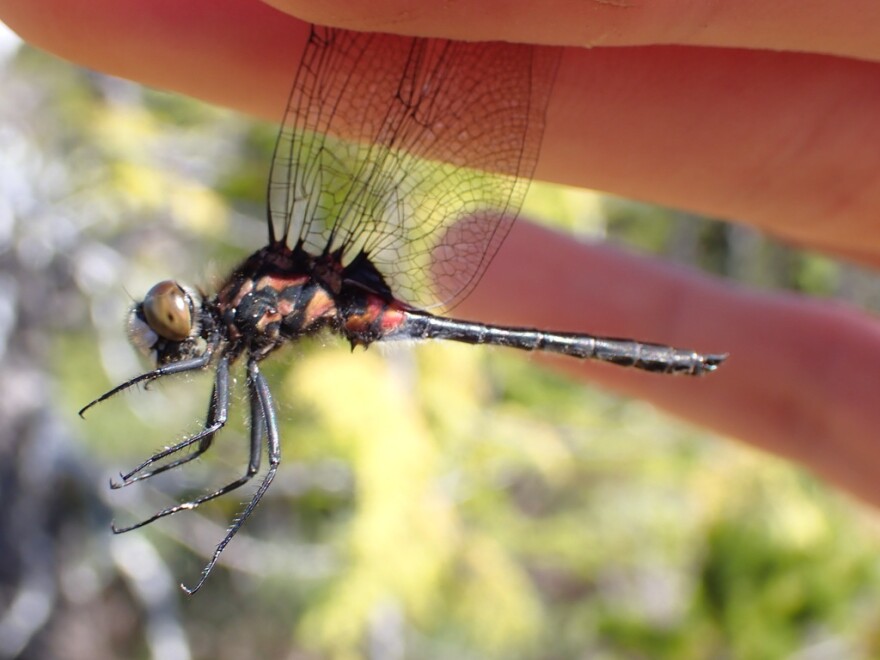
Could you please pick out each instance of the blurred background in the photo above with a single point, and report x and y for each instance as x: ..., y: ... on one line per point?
x: 434, y: 502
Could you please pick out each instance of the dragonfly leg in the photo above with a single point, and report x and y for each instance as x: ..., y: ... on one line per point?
x: 217, y: 414
x: 263, y: 416
x: 146, y: 378
x: 252, y: 468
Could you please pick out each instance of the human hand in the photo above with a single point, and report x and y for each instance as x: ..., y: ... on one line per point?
x: 783, y: 141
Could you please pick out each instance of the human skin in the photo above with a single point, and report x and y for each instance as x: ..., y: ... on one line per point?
x: 762, y: 113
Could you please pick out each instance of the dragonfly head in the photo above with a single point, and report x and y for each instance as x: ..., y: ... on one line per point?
x: 167, y: 326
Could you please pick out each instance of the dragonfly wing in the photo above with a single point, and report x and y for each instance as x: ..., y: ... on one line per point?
x: 389, y: 142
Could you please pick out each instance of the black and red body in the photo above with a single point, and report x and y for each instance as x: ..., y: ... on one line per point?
x: 388, y: 144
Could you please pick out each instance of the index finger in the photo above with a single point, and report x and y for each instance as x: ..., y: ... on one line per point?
x: 783, y: 141
x: 811, y: 26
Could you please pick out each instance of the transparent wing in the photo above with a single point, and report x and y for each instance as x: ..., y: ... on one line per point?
x: 388, y: 142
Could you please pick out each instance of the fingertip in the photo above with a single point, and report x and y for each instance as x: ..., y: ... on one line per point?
x: 193, y: 48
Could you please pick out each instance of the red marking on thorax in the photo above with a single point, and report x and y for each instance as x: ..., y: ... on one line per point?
x: 388, y: 315
x: 393, y: 318
x: 267, y: 319
x: 280, y: 282
x: 320, y: 306
x: 230, y: 297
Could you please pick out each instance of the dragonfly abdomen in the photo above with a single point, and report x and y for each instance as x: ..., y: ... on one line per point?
x: 624, y: 352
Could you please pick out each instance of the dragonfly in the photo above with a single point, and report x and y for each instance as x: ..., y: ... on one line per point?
x: 400, y: 166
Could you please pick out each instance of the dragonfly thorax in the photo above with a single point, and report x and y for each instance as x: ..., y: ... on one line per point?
x: 280, y: 294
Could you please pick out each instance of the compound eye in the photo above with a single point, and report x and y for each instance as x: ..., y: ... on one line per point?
x: 168, y: 310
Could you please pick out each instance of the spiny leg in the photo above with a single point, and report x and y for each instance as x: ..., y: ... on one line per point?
x: 262, y: 415
x: 166, y: 370
x: 252, y: 469
x: 217, y: 414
